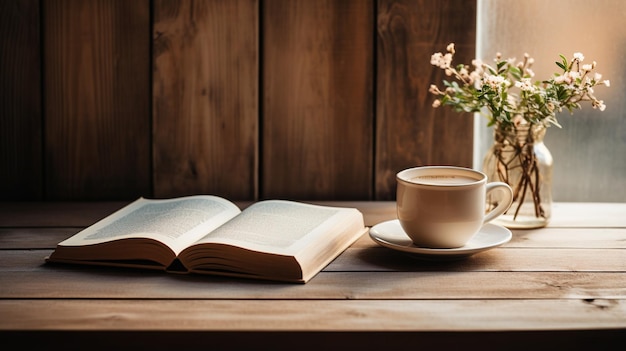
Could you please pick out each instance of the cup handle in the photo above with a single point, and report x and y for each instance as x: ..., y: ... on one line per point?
x: 504, y: 203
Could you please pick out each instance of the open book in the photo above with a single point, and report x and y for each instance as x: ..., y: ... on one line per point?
x: 272, y: 239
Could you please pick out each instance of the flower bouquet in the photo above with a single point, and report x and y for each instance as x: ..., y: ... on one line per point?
x: 519, y: 109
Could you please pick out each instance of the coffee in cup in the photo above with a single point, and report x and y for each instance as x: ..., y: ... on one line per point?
x: 444, y: 206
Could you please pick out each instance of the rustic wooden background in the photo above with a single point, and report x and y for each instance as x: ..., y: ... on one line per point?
x: 246, y: 99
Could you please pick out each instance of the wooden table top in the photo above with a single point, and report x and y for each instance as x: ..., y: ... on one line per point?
x: 563, y: 286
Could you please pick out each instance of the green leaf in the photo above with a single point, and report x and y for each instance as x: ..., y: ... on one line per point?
x: 564, y: 62
x: 500, y: 65
x: 516, y: 73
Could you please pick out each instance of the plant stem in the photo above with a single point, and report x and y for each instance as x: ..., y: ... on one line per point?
x: 514, y: 152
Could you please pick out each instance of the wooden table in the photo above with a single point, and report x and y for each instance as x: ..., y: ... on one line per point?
x: 560, y: 287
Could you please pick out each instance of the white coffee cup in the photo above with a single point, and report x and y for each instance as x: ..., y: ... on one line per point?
x: 444, y: 206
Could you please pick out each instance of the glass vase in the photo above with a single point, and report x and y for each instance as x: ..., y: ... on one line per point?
x: 519, y: 158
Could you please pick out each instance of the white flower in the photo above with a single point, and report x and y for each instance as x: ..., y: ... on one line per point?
x: 565, y: 78
x: 599, y: 104
x: 435, y: 59
x: 474, y: 76
x: 495, y: 82
x: 440, y: 60
x: 526, y: 85
x: 488, y: 87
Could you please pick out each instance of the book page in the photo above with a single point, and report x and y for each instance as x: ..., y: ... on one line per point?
x: 273, y: 226
x: 175, y: 222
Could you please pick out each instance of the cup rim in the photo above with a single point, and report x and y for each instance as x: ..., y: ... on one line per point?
x: 407, y: 174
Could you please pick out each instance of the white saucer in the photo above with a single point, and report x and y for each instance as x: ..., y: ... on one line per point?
x: 390, y: 234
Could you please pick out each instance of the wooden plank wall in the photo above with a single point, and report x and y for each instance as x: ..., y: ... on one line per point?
x: 247, y: 99
x: 21, y: 125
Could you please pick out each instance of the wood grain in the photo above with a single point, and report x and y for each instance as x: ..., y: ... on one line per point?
x: 21, y: 171
x: 25, y: 277
x: 206, y: 98
x: 272, y: 315
x: 317, y: 99
x: 409, y: 132
x: 379, y: 259
x: 326, y: 126
x: 558, y: 287
x: 499, y: 259
x: 97, y: 99
x: 34, y: 238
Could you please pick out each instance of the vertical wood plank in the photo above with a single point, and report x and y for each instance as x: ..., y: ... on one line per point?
x: 97, y: 99
x: 317, y: 99
x: 409, y: 131
x: 20, y: 101
x: 206, y: 98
